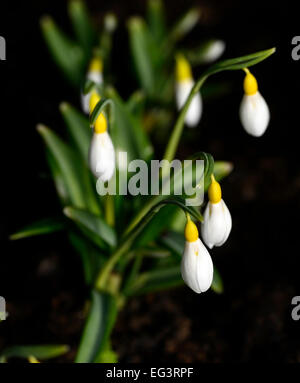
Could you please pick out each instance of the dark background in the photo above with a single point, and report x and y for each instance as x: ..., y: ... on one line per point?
x: 41, y: 278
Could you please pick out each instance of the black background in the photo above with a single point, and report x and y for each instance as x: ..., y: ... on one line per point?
x: 261, y: 263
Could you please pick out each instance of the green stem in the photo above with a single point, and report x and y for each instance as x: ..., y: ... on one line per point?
x: 178, y: 128
x: 109, y: 210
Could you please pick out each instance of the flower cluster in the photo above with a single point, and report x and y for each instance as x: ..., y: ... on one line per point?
x: 196, y: 265
x: 254, y: 111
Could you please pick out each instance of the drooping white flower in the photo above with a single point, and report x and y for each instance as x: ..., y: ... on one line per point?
x: 95, y: 74
x: 196, y: 265
x: 214, y: 50
x: 101, y: 152
x: 217, y: 223
x: 254, y: 111
x: 183, y: 86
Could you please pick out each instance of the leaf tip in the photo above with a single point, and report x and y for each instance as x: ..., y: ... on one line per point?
x: 63, y: 106
x: 67, y: 211
x: 46, y: 21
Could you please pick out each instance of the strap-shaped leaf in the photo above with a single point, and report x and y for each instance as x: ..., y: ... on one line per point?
x: 99, y: 324
x: 45, y: 226
x: 42, y: 352
x: 240, y: 62
x: 74, y: 173
x: 165, y: 279
x: 67, y: 55
x: 127, y: 132
x: 78, y: 127
x: 140, y: 48
x: 185, y: 24
x: 91, y: 257
x: 94, y: 226
x: 82, y: 24
x: 156, y: 19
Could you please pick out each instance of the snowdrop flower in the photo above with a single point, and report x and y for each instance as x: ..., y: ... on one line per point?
x: 254, y: 111
x: 214, y: 50
x: 184, y: 84
x: 196, y: 265
x: 216, y: 226
x: 102, y: 152
x: 95, y: 74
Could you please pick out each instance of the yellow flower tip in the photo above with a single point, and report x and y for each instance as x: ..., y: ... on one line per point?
x: 96, y: 65
x: 214, y: 191
x: 100, y: 124
x: 250, y: 83
x: 191, y: 232
x: 94, y: 99
x: 183, y: 69
x: 32, y: 359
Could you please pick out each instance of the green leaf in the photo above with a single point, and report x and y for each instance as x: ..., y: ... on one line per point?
x: 99, y: 324
x: 135, y: 103
x: 156, y: 19
x: 68, y: 56
x: 59, y: 181
x: 240, y: 62
x: 82, y: 24
x: 165, y: 279
x: 45, y: 226
x: 94, y: 226
x: 91, y: 257
x: 217, y: 284
x: 140, y: 48
x: 79, y: 128
x: 156, y: 280
x: 222, y: 169
x: 127, y: 133
x: 185, y: 24
x: 42, y: 352
x: 107, y: 355
x: 75, y: 174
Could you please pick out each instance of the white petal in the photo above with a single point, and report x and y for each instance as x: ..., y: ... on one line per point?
x: 102, y: 156
x: 197, y: 267
x: 194, y: 112
x: 217, y: 224
x: 214, y: 51
x: 254, y: 114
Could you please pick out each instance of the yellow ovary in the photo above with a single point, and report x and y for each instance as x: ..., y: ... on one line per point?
x: 183, y: 69
x: 96, y: 65
x: 250, y: 83
x: 94, y: 99
x: 214, y: 191
x: 191, y: 232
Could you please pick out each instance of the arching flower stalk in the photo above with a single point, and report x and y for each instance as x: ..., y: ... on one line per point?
x: 184, y: 85
x: 217, y: 223
x: 196, y: 265
x: 254, y: 111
